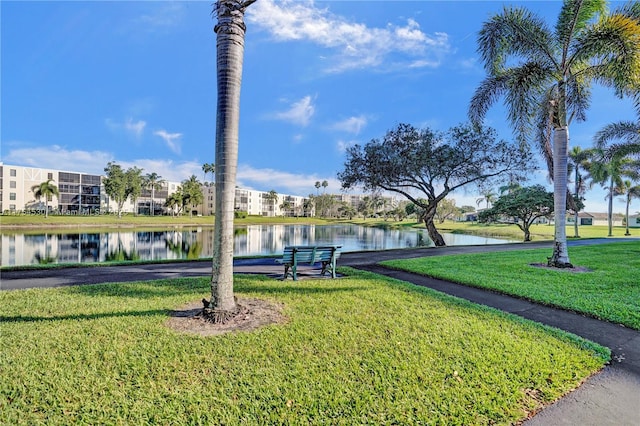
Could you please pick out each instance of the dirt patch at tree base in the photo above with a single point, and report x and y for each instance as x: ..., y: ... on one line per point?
x: 254, y: 313
x: 575, y: 269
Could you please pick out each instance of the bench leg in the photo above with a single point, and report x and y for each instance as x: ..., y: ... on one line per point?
x: 286, y: 272
x: 328, y: 266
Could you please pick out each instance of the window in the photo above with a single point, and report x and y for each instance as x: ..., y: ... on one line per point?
x: 12, y: 172
x: 50, y: 176
x: 12, y: 196
x: 12, y: 184
x: 12, y: 207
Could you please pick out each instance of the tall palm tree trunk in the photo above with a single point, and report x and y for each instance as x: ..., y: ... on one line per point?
x: 610, y: 207
x: 560, y: 256
x: 230, y: 32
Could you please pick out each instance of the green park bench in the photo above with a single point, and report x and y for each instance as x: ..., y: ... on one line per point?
x: 295, y: 255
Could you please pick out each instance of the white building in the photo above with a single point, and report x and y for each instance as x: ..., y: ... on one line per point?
x: 80, y: 193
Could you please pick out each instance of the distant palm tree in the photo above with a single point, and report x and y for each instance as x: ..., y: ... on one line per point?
x: 610, y: 174
x: 208, y: 168
x: 580, y: 160
x: 325, y: 184
x: 46, y: 190
x: 544, y: 75
x: 153, y: 181
x: 230, y: 31
x: 630, y: 191
x: 488, y: 196
x: 317, y: 185
x: 273, y: 197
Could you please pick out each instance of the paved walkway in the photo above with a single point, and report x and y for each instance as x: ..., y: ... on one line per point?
x: 611, y: 397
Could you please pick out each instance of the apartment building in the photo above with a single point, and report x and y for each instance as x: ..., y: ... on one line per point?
x: 80, y: 193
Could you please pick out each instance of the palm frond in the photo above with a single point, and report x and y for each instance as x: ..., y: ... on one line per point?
x: 515, y: 32
x: 489, y: 91
x: 575, y: 16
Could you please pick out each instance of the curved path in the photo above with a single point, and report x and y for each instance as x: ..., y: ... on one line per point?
x: 611, y: 397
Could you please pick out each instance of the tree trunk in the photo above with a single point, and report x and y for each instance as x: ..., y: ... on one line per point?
x: 230, y: 32
x: 434, y: 235
x: 626, y: 215
x: 575, y: 215
x: 560, y: 256
x: 610, y: 209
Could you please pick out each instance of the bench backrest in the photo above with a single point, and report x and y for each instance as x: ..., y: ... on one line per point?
x: 310, y: 254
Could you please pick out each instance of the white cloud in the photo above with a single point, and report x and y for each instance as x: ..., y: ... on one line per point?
x: 171, y: 139
x: 283, y: 182
x: 58, y: 158
x: 163, y: 15
x: 299, y: 113
x: 93, y: 162
x: 343, y: 145
x: 354, y: 45
x: 135, y: 129
x: 351, y: 125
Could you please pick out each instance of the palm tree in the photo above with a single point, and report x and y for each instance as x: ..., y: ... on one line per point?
x: 579, y: 159
x: 627, y: 131
x: 630, y: 191
x: 545, y: 75
x: 317, y: 185
x: 612, y: 173
x: 153, y: 181
x: 208, y: 168
x: 46, y: 190
x: 273, y: 197
x: 230, y: 31
x: 324, y: 186
x: 488, y: 197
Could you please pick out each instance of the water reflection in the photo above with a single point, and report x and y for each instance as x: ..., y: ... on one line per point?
x: 195, y: 243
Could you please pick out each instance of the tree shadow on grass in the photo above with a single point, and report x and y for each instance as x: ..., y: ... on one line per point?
x: 75, y: 317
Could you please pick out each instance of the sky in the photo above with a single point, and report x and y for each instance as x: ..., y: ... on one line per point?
x: 84, y: 83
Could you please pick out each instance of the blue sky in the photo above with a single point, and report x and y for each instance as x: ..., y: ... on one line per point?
x: 84, y: 83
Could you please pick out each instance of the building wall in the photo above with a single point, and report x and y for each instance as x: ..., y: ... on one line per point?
x: 80, y: 193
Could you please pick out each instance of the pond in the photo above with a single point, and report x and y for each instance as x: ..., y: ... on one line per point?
x: 196, y: 243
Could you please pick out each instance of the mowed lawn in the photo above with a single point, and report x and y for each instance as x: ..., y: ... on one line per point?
x: 610, y: 290
x: 360, y: 349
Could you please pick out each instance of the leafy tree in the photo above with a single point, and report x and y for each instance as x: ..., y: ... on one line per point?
x: 545, y: 75
x: 116, y: 185
x: 630, y: 191
x: 347, y: 210
x: 45, y: 190
x: 610, y: 174
x: 446, y: 210
x: 522, y: 207
x: 409, y: 161
x: 175, y: 202
x: 191, y: 193
x: 135, y: 182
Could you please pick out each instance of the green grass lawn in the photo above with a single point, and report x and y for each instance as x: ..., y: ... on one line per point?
x: 361, y: 349
x: 97, y: 221
x: 610, y: 291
